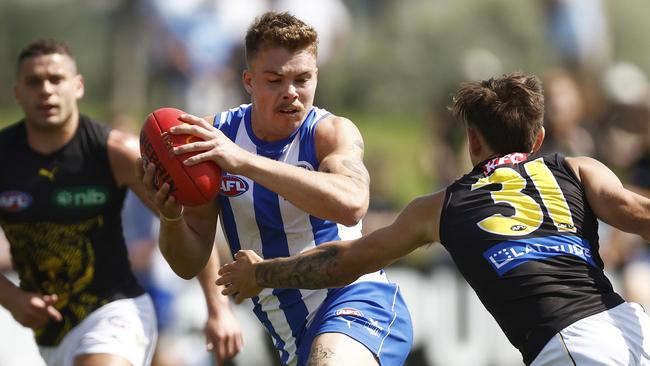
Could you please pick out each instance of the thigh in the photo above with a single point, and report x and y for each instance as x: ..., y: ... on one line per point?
x: 101, y: 359
x: 373, y: 314
x: 331, y: 349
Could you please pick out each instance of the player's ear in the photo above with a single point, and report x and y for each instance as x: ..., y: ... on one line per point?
x: 247, y: 79
x: 79, y: 86
x: 539, y: 139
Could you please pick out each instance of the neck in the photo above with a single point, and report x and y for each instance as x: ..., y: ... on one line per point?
x: 476, y: 159
x: 46, y: 140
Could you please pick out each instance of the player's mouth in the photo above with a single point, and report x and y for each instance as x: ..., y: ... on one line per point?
x: 48, y: 108
x: 289, y: 110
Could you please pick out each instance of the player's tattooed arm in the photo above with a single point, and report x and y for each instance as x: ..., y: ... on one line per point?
x: 355, y: 166
x: 351, y: 165
x: 312, y: 270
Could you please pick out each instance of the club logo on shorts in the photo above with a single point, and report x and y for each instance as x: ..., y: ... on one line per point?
x: 349, y: 311
x: 14, y: 201
x: 373, y: 328
x: 233, y: 186
x: 118, y: 322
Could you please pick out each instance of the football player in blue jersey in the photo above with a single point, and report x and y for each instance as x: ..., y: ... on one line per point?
x: 521, y: 227
x: 293, y: 178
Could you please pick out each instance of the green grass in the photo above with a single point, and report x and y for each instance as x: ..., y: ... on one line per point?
x: 394, y: 153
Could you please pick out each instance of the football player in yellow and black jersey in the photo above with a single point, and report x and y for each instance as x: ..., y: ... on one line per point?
x: 63, y: 179
x: 521, y: 227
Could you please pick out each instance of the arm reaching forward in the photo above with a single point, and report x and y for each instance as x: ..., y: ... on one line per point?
x: 339, y: 263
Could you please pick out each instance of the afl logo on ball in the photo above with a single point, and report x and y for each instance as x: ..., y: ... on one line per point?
x: 233, y: 186
x: 14, y: 201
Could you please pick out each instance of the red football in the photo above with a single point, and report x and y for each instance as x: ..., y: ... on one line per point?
x: 190, y: 185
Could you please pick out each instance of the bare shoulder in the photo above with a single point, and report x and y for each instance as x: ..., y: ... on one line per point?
x: 584, y: 166
x: 123, y: 151
x: 121, y: 141
x: 333, y: 121
x: 335, y: 133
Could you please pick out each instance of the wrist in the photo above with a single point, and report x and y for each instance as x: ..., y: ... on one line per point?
x: 259, y: 276
x: 178, y: 218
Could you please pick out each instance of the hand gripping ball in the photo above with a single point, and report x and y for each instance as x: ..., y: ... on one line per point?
x: 190, y: 185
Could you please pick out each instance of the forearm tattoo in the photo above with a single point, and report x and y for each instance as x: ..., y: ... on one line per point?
x: 311, y: 270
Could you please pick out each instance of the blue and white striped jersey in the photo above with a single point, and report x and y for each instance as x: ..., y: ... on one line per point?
x: 255, y: 218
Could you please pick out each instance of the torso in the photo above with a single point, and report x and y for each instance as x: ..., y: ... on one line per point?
x: 256, y: 218
x: 62, y: 215
x: 522, y: 234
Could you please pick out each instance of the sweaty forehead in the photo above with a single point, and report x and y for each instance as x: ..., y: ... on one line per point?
x: 53, y: 64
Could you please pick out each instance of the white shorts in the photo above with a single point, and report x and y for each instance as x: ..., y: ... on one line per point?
x: 618, y: 336
x: 126, y: 328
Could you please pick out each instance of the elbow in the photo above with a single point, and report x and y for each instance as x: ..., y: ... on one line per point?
x: 184, y: 269
x: 352, y: 214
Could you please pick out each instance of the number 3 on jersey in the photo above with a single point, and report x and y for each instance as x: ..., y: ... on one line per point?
x: 528, y: 215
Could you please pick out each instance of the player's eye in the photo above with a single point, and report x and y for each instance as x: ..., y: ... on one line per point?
x: 55, y: 79
x: 33, y: 81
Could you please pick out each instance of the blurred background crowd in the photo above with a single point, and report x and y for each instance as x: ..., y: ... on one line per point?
x: 390, y: 66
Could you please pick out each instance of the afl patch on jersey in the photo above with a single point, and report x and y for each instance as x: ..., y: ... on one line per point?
x: 233, y: 186
x: 14, y: 201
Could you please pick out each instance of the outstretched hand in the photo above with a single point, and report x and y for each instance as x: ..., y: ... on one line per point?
x: 238, y: 277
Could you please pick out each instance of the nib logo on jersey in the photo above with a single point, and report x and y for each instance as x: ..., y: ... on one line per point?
x: 80, y: 197
x: 14, y: 201
x: 233, y: 186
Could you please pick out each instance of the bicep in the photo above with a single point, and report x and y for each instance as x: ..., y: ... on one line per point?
x: 608, y: 198
x: 340, y: 149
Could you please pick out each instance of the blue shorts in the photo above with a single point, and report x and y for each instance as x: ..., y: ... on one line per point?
x: 373, y: 313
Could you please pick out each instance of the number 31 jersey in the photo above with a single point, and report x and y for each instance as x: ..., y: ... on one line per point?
x: 524, y: 237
